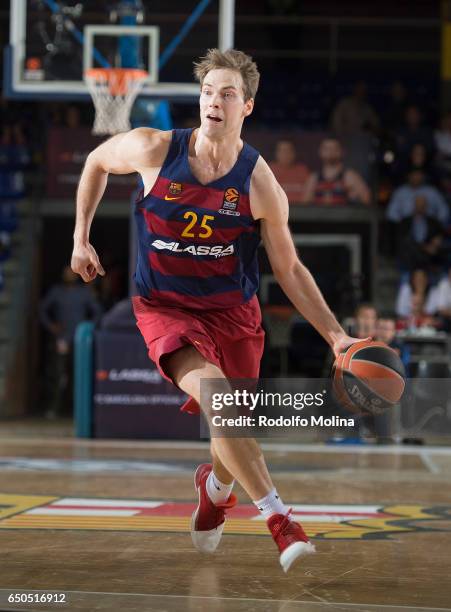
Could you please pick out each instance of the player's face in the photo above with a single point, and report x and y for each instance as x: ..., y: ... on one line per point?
x: 222, y: 105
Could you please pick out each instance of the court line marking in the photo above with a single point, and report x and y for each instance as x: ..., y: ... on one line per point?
x: 88, y: 466
x: 429, y: 463
x: 269, y: 446
x: 424, y: 452
x: 357, y: 449
x: 209, y: 597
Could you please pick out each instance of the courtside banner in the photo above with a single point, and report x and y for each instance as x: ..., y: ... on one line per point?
x: 67, y: 150
x: 131, y: 399
x: 320, y: 409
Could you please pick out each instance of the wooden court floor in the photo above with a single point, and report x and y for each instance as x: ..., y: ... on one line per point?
x: 107, y: 524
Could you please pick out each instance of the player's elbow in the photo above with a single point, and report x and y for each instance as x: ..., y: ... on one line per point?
x: 95, y: 163
x: 285, y: 269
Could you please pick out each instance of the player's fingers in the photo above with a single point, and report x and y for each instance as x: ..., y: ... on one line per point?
x: 91, y: 272
x: 81, y: 269
x: 97, y: 265
x: 86, y: 276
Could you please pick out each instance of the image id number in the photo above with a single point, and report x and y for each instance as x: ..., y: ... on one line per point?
x: 37, y: 598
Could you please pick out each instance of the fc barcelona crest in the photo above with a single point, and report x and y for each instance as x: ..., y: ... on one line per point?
x: 230, y: 202
x: 175, y: 188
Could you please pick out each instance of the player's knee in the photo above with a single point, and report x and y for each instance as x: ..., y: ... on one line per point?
x: 194, y: 374
x: 212, y: 389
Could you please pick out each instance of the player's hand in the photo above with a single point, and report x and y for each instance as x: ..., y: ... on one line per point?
x: 85, y: 262
x: 344, y: 342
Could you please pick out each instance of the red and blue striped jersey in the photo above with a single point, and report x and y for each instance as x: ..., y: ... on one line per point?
x: 197, y: 244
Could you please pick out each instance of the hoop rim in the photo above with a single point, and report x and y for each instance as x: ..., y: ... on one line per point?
x: 119, y: 81
x: 121, y: 73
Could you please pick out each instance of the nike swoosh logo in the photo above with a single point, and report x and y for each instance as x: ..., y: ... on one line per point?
x: 168, y: 198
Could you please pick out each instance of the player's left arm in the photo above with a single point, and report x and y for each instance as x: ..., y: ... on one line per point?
x: 269, y: 203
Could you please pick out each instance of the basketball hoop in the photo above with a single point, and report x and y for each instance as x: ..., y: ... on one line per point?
x: 113, y: 92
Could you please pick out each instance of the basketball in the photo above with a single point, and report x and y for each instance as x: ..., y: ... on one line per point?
x: 368, y: 378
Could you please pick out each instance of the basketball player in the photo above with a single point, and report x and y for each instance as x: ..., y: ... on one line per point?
x: 208, y: 200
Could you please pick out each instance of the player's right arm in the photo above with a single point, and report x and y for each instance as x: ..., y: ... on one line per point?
x: 125, y: 153
x: 269, y: 204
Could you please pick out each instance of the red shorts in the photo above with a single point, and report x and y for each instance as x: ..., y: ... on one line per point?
x: 232, y: 338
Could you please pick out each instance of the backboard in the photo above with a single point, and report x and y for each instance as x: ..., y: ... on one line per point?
x: 52, y: 43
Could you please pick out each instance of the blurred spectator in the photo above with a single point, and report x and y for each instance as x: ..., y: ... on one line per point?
x: 433, y: 255
x: 363, y: 324
x: 419, y: 160
x: 443, y: 137
x: 386, y: 332
x: 420, y: 237
x: 72, y: 118
x: 412, y: 133
x: 62, y: 309
x: 428, y: 255
x: 335, y: 185
x: 417, y: 300
x: 416, y: 159
x: 402, y: 202
x: 395, y: 109
x: 8, y: 215
x: 66, y: 305
x: 444, y: 301
x: 443, y: 156
x: 353, y: 114
x: 291, y: 174
x: 418, y: 316
x: 55, y: 113
x: 5, y: 245
x: 419, y: 226
x: 397, y: 167
x: 14, y: 159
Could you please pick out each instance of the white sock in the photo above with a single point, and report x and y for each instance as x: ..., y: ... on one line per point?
x: 271, y: 504
x: 217, y: 491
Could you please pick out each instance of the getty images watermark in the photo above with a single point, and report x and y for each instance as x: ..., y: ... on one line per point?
x: 306, y: 409
x: 264, y: 399
x: 271, y: 407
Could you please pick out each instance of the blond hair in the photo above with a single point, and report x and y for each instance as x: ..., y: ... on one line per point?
x: 234, y: 60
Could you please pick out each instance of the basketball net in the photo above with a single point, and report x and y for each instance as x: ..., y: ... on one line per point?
x: 113, y: 91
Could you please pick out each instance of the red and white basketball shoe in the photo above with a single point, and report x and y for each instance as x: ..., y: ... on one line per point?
x: 290, y: 539
x: 207, y: 522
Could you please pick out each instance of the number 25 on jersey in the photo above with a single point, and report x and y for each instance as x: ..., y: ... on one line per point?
x: 203, y: 231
